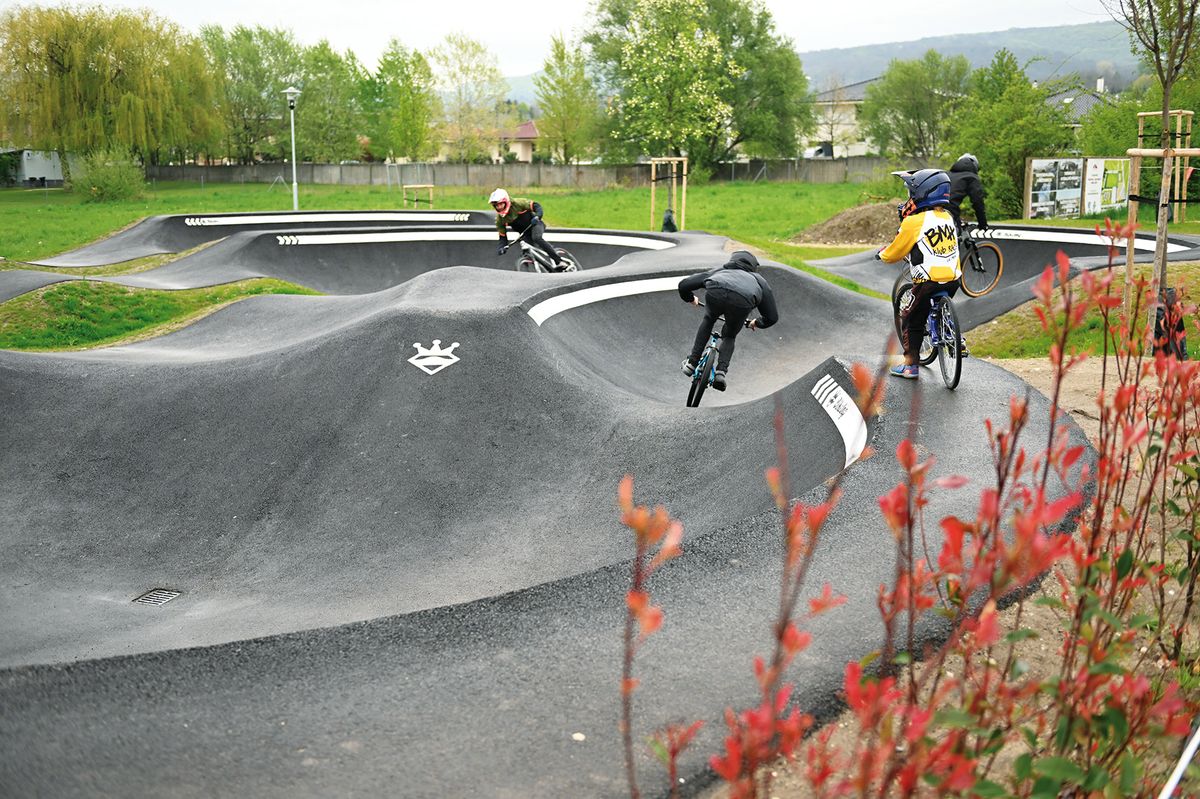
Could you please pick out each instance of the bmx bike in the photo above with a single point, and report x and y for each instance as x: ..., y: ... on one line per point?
x: 943, y: 335
x: 535, y: 259
x: 982, y: 262
x: 706, y: 367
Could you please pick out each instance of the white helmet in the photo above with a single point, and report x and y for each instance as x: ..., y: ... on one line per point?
x: 500, y: 200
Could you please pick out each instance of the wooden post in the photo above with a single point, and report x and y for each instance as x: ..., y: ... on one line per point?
x: 1135, y: 180
x: 1175, y: 174
x: 1028, y: 187
x: 674, y: 185
x: 683, y: 205
x: 653, y: 183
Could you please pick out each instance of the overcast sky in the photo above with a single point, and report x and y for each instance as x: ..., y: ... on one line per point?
x: 519, y: 32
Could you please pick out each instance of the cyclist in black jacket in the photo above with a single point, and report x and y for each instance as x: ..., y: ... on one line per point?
x: 734, y: 289
x: 964, y: 182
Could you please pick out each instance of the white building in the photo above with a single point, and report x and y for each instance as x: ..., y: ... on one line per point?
x: 37, y: 168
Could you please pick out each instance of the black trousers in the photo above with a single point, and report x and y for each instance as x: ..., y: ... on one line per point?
x: 736, y: 309
x: 536, y: 229
x: 915, y: 312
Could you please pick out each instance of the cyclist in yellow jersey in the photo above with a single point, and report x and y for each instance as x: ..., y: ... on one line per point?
x: 927, y: 237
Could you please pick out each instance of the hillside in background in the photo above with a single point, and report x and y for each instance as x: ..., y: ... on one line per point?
x: 1096, y: 49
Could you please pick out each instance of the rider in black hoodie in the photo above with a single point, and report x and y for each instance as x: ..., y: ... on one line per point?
x: 964, y: 182
x: 734, y: 289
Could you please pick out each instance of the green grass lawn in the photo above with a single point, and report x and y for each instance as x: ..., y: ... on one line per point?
x: 1018, y: 334
x: 39, y: 223
x: 85, y: 313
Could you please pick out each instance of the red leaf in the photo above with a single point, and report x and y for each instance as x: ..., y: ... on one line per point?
x: 826, y: 601
x: 795, y: 641
x: 951, y: 481
x: 625, y: 493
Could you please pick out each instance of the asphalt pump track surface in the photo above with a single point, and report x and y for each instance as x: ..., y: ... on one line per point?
x: 400, y: 562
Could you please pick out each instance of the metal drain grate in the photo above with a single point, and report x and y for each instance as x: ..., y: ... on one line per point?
x: 158, y: 596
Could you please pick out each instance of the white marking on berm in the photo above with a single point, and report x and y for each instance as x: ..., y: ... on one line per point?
x: 574, y: 299
x: 434, y: 359
x: 488, y: 235
x: 288, y: 219
x: 844, y: 412
x: 1071, y: 238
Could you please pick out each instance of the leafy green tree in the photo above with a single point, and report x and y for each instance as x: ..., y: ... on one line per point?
x: 254, y: 66
x: 761, y: 82
x: 570, y: 106
x: 401, y: 105
x: 1163, y: 32
x: 473, y: 87
x: 910, y: 111
x: 1109, y: 129
x: 85, y: 79
x: 1005, y: 120
x: 328, y: 117
x: 674, y: 78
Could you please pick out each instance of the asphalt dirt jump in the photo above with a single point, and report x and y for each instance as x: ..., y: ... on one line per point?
x: 390, y: 516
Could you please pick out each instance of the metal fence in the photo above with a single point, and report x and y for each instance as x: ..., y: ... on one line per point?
x: 857, y: 169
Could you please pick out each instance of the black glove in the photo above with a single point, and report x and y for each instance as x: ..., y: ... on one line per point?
x: 877, y: 256
x: 502, y: 247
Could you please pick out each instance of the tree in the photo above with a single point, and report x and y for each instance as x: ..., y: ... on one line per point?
x: 674, y: 77
x: 759, y: 81
x: 470, y: 79
x: 328, y: 117
x: 570, y: 106
x: 910, y: 110
x: 254, y: 66
x: 1162, y: 32
x: 832, y: 124
x: 402, y: 105
x: 89, y: 79
x: 1005, y: 120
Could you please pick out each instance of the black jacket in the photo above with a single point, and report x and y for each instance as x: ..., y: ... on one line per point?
x: 964, y: 182
x: 739, y: 275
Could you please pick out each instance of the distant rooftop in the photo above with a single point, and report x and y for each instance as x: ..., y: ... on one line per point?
x: 850, y: 93
x: 1077, y: 102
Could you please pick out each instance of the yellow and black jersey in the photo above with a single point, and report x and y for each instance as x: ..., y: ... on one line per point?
x: 927, y: 237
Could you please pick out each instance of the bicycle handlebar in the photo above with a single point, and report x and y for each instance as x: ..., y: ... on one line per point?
x: 520, y: 236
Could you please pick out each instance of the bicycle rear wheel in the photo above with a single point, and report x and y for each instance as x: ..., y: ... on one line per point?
x: 903, y: 286
x: 949, y: 350
x: 981, y: 268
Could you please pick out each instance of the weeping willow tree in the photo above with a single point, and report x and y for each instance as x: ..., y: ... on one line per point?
x: 90, y: 79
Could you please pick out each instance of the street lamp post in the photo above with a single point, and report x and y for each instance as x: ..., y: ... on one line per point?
x: 292, y: 93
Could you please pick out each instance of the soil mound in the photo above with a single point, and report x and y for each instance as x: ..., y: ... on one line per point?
x: 864, y: 224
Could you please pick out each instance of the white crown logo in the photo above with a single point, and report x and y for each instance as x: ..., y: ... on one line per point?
x: 434, y: 359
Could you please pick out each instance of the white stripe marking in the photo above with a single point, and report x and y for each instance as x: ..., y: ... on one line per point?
x: 1072, y: 238
x: 843, y: 410
x: 380, y: 216
x: 472, y: 235
x: 574, y: 299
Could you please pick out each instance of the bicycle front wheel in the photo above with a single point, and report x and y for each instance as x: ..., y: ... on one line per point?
x: 569, y: 262
x: 703, y: 375
x: 949, y: 350
x: 981, y: 269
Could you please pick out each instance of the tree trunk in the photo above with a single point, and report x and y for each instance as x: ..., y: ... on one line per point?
x: 1159, y: 283
x: 66, y: 167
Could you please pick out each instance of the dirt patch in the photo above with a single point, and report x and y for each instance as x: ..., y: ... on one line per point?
x: 865, y: 224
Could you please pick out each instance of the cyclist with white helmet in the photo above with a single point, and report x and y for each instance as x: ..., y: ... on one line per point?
x: 524, y: 216
x: 927, y: 237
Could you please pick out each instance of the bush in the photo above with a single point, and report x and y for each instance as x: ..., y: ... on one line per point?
x: 109, y: 177
x: 8, y: 168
